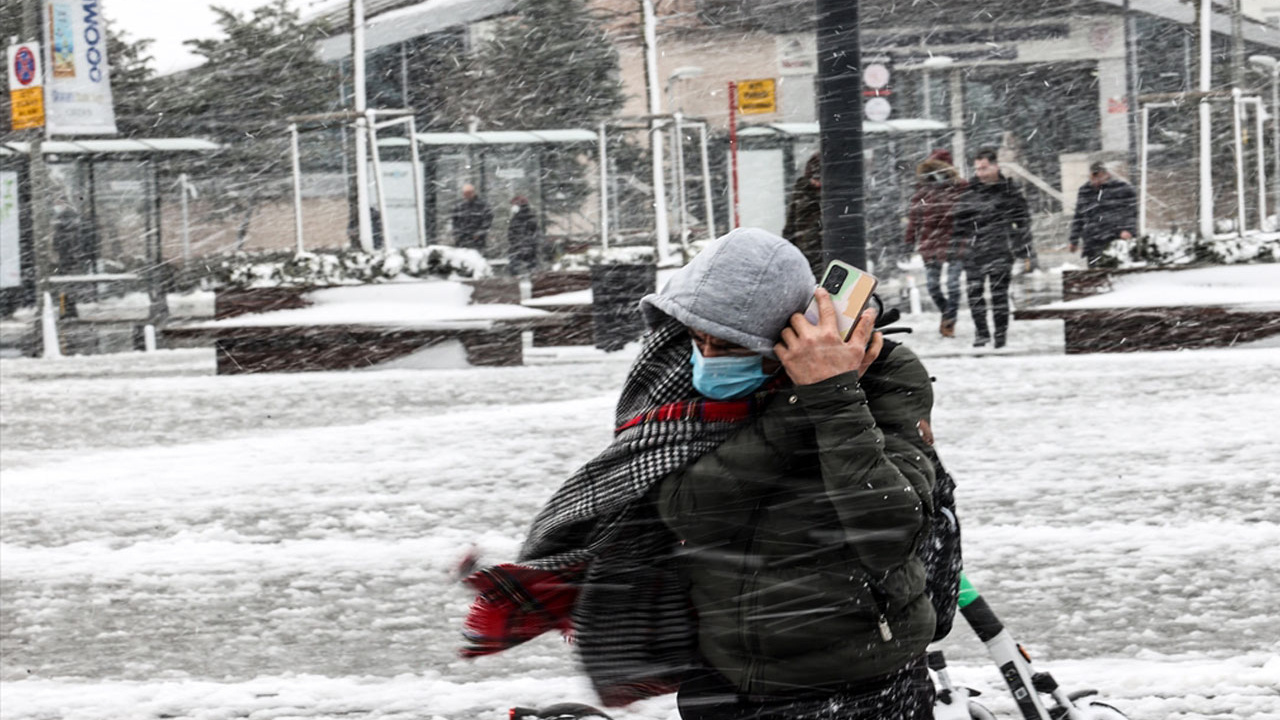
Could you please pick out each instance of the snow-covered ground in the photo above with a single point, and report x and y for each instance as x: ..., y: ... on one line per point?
x: 177, y: 544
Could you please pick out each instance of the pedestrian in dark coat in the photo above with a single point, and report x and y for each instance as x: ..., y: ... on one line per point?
x: 804, y: 215
x: 1106, y: 209
x: 930, y: 230
x: 471, y: 220
x: 522, y: 237
x: 993, y: 227
x: 751, y: 536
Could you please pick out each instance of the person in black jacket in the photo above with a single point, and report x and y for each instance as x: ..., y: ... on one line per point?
x: 522, y: 237
x: 992, y: 227
x: 1106, y: 209
x: 471, y: 220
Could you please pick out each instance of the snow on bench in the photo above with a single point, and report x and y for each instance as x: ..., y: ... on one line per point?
x: 1165, y: 309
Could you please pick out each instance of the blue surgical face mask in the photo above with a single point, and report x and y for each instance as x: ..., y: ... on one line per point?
x: 727, y: 376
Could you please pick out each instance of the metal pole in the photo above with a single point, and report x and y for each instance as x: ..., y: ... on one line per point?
x: 183, y: 189
x: 957, y: 120
x: 297, y: 187
x: 928, y: 106
x: 656, y: 139
x: 1259, y: 133
x: 706, y: 182
x: 1131, y: 79
x: 419, y: 197
x: 1205, y: 11
x: 374, y: 156
x: 734, y: 219
x: 1142, y: 168
x: 681, y: 190
x: 1275, y: 138
x: 362, y: 123
x: 39, y: 202
x: 840, y: 132
x: 604, y: 189
x: 1238, y: 141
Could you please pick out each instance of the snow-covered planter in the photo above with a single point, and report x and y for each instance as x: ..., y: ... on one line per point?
x: 348, y: 267
x: 624, y: 255
x: 1165, y: 249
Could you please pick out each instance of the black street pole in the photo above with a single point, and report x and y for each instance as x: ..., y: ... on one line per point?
x: 840, y: 132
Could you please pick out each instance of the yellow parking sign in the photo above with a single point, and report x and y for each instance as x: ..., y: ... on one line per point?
x: 757, y: 96
x: 26, y: 108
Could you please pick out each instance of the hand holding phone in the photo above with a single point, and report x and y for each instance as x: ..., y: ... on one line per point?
x: 812, y: 352
x: 850, y: 290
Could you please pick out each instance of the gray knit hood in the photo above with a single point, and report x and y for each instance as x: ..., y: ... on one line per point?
x: 742, y: 288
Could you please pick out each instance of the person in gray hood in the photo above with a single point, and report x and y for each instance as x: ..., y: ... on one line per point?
x: 749, y: 538
x: 799, y: 532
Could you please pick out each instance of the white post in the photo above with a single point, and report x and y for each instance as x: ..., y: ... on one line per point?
x: 1206, y: 157
x: 656, y: 139
x: 49, y: 329
x: 1275, y: 138
x: 362, y: 122
x: 604, y: 189
x: 149, y: 338
x: 184, y: 188
x: 706, y: 182
x: 419, y: 198
x: 376, y: 158
x: 297, y: 186
x: 1142, y: 171
x: 680, y: 183
x: 1238, y: 139
x: 1258, y: 132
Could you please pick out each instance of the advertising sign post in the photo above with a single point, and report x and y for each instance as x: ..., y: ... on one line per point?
x: 78, y: 91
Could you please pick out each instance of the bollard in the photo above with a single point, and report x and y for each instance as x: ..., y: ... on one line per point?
x: 913, y: 295
x: 149, y: 338
x: 49, y: 329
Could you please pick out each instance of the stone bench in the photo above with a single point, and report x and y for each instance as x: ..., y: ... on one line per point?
x: 245, y: 342
x: 1102, y: 313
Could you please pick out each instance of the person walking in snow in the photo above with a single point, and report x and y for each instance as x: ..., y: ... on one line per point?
x: 471, y: 220
x: 930, y: 226
x: 750, y: 537
x: 993, y: 226
x: 803, y: 226
x: 522, y: 237
x: 1106, y: 209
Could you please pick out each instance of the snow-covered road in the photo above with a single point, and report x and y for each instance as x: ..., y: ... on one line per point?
x: 183, y: 545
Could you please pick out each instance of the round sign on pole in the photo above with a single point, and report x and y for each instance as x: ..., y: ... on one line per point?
x: 878, y: 109
x: 24, y: 66
x: 875, y: 76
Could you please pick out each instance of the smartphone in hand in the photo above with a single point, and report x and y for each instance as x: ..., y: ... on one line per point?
x: 850, y: 290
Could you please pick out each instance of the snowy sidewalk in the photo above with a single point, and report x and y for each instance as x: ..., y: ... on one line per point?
x: 180, y: 544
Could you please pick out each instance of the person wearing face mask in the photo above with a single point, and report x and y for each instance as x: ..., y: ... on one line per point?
x: 929, y: 232
x: 522, y: 237
x: 750, y: 537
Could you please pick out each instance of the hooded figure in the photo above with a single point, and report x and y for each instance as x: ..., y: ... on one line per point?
x: 758, y: 552
x: 522, y: 237
x: 930, y: 231
x: 804, y: 214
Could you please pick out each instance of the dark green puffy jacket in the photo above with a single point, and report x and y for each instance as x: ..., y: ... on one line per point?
x: 800, y: 534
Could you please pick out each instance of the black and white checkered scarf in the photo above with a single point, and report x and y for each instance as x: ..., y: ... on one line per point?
x: 632, y: 621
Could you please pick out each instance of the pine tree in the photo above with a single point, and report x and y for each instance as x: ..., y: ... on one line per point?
x: 262, y: 69
x: 134, y: 89
x: 548, y: 65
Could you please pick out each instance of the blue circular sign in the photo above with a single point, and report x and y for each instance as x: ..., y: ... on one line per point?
x: 24, y: 65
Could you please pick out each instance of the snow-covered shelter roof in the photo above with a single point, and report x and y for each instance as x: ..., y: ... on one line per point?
x: 905, y: 125
x: 496, y: 137
x: 405, y: 23
x: 113, y: 146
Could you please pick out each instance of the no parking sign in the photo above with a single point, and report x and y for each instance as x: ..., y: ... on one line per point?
x: 26, y: 94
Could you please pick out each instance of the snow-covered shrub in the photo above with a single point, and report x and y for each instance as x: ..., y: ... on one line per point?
x: 1183, y: 248
x: 624, y: 255
x: 348, y: 267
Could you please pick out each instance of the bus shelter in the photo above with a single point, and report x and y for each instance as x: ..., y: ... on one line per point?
x: 105, y: 202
